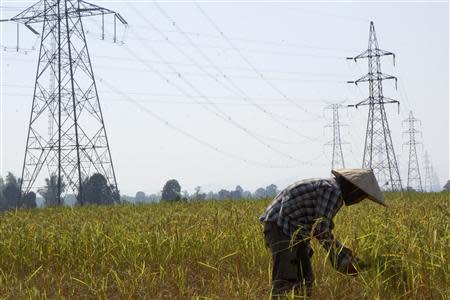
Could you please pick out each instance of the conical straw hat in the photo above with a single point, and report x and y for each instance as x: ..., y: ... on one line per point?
x: 365, y: 180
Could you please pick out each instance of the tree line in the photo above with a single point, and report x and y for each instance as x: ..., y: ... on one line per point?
x: 172, y: 192
x: 10, y: 194
x: 95, y: 190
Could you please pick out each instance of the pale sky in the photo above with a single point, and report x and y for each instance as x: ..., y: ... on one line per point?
x: 299, y: 48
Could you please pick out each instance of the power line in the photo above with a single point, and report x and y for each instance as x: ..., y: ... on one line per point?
x: 327, y: 15
x: 224, y: 116
x: 235, y: 89
x: 193, y: 137
x: 216, y: 111
x: 235, y: 68
x: 225, y: 49
x: 263, y: 101
x: 250, y: 50
x: 192, y: 74
x: 249, y: 63
x: 252, y: 41
x: 215, y: 76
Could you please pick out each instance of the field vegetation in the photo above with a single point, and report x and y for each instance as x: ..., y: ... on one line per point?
x: 215, y: 250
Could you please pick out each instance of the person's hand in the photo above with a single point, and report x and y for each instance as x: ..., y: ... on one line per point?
x: 355, y: 266
x: 351, y: 267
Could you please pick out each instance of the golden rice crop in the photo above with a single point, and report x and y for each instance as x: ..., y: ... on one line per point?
x: 215, y: 249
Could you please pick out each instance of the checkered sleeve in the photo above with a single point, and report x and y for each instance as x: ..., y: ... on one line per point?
x: 329, y: 202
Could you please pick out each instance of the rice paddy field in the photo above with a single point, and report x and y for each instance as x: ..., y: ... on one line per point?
x: 215, y: 250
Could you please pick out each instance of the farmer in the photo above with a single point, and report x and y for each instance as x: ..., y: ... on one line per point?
x: 306, y: 209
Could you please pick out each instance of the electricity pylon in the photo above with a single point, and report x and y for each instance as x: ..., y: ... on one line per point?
x: 428, y: 181
x: 73, y: 145
x: 337, y: 159
x: 379, y: 154
x: 436, y: 183
x: 414, y: 179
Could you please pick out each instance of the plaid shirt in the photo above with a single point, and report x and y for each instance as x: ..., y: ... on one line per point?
x: 306, y: 206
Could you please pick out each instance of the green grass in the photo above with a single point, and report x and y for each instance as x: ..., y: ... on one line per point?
x: 216, y: 250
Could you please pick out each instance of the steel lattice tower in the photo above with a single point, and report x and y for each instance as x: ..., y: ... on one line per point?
x: 414, y: 178
x: 436, y: 184
x: 428, y: 181
x: 337, y: 159
x: 66, y: 134
x: 379, y: 154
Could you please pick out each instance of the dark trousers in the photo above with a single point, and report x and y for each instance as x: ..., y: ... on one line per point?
x: 291, y: 262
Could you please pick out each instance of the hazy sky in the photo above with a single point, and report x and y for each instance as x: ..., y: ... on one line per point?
x: 288, y: 59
